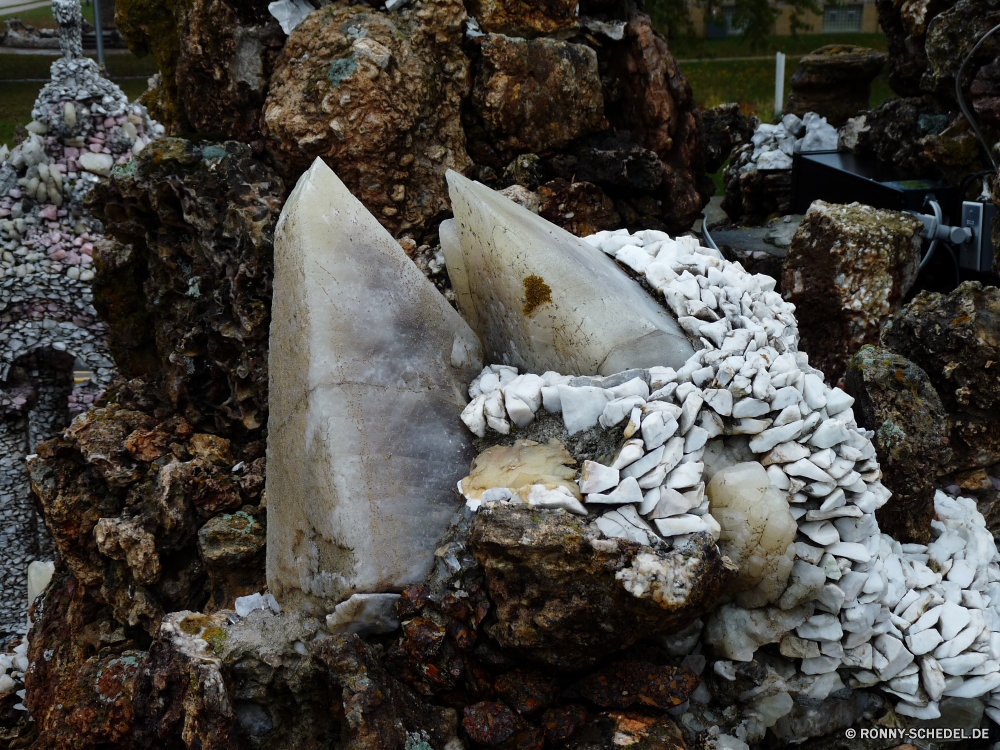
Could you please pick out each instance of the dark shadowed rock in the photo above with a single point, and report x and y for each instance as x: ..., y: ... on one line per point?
x: 581, y: 208
x: 834, y: 81
x: 755, y: 195
x: 185, y: 280
x: 955, y: 338
x: 725, y: 128
x: 847, y: 271
x: 215, y: 61
x: 377, y: 97
x: 231, y: 546
x: 565, y: 597
x: 615, y: 729
x: 653, y: 101
x: 895, y: 398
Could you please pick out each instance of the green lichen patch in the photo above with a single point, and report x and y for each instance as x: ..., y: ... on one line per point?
x: 342, y: 68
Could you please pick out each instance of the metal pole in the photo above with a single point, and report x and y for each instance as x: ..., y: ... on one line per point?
x: 100, y: 33
x: 779, y: 82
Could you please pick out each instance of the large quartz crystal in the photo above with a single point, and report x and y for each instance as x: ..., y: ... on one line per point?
x: 368, y: 369
x: 542, y: 299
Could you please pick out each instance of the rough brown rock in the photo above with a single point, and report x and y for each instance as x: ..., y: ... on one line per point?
x: 185, y: 280
x: 895, y: 398
x: 955, y: 338
x: 539, y: 94
x: 847, y: 271
x: 725, y: 129
x: 524, y: 18
x: 636, y: 731
x: 653, y: 101
x: 377, y: 97
x: 834, y: 81
x: 560, y: 589
x: 215, y: 60
x: 754, y: 196
x: 580, y: 207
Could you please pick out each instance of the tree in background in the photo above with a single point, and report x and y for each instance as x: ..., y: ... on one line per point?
x: 755, y: 17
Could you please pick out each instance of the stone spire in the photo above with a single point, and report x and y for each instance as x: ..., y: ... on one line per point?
x: 70, y: 18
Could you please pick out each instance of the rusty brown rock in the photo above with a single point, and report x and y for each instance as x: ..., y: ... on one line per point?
x: 534, y: 95
x: 524, y: 18
x: 377, y: 97
x: 231, y: 546
x: 84, y: 667
x: 847, y: 271
x: 581, y: 208
x: 637, y: 732
x: 560, y: 590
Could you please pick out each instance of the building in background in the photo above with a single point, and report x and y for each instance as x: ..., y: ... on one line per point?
x: 835, y: 19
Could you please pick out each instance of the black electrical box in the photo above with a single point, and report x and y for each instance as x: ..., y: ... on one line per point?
x: 977, y: 254
x: 843, y: 177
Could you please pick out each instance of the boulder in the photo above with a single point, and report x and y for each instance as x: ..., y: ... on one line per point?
x: 905, y: 25
x: 752, y: 196
x: 917, y: 137
x: 895, y: 398
x: 847, y: 271
x: 834, y: 81
x: 653, y: 101
x: 535, y: 95
x: 581, y: 208
x: 369, y: 365
x: 215, y: 61
x: 725, y: 129
x: 566, y: 598
x: 187, y: 294
x: 955, y: 339
x: 528, y: 307
x: 518, y: 18
x: 377, y: 97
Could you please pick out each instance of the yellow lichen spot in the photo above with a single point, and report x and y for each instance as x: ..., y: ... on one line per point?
x: 536, y: 293
x: 194, y: 624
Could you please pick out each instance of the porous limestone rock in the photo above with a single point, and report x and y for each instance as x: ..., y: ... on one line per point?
x: 757, y: 530
x: 541, y: 299
x: 535, y: 95
x: 895, y: 398
x: 368, y: 363
x: 187, y: 294
x: 847, y: 271
x: 377, y: 97
x: 526, y: 19
x: 565, y: 597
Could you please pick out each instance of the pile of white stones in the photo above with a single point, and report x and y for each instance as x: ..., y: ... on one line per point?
x: 773, y: 145
x: 919, y: 622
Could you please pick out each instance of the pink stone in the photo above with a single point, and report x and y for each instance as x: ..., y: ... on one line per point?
x: 95, y: 147
x: 15, y: 193
x: 87, y: 249
x: 73, y: 258
x: 49, y: 212
x: 61, y: 167
x: 106, y: 150
x: 78, y: 242
x: 121, y: 119
x: 72, y: 152
x: 58, y: 254
x: 86, y: 260
x: 4, y: 213
x: 110, y: 122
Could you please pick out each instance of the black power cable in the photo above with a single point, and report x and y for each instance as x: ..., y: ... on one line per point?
x: 961, y: 99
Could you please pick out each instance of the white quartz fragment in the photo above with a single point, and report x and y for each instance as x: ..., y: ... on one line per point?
x: 363, y: 457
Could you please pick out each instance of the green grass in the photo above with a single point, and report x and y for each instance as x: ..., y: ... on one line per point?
x: 751, y: 83
x: 37, y: 66
x: 41, y: 18
x: 692, y: 48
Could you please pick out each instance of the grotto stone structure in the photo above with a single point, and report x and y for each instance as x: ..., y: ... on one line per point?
x: 83, y: 124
